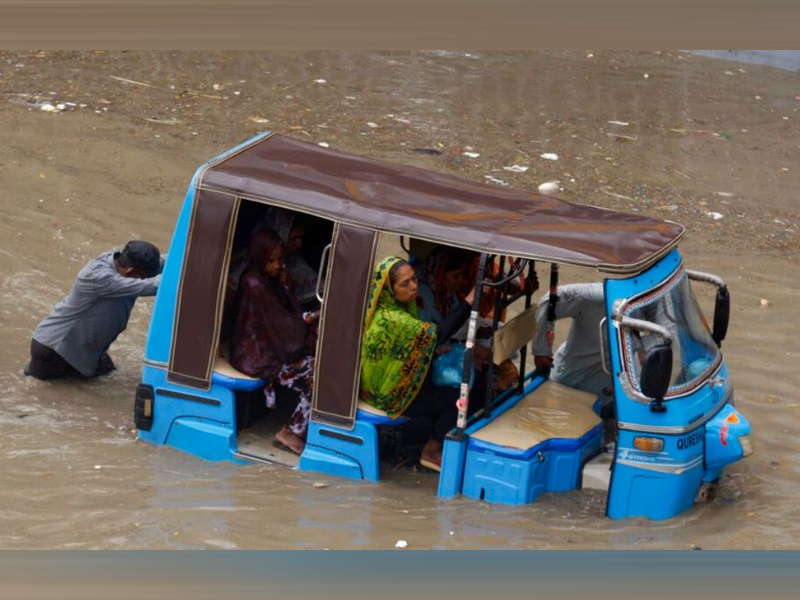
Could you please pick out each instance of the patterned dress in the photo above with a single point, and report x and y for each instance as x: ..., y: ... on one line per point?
x: 397, y: 350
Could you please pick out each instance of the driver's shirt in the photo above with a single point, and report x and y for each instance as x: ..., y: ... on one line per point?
x: 86, y: 322
x: 577, y: 363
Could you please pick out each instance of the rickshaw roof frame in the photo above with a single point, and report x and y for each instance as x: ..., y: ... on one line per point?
x: 405, y: 200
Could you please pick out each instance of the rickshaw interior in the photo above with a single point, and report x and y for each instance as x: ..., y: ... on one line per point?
x: 506, y: 324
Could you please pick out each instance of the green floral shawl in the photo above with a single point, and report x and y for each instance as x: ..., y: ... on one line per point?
x: 397, y: 348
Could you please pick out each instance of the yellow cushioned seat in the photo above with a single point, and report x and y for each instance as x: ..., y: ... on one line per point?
x: 223, y: 367
x: 551, y: 411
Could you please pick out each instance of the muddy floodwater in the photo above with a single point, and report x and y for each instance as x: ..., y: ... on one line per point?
x: 98, y: 148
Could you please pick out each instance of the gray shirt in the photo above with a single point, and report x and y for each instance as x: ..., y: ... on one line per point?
x: 85, y: 323
x: 578, y: 362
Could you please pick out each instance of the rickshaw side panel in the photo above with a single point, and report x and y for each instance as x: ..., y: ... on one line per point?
x: 160, y: 332
x: 201, y: 423
x: 159, y: 336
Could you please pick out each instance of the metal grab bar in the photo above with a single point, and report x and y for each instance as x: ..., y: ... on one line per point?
x: 323, y: 265
x: 705, y: 277
x: 515, y: 273
x: 641, y: 325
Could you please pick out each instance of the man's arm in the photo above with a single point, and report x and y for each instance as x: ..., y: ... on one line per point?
x: 107, y: 282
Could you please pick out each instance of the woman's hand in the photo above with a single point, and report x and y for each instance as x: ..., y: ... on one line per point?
x: 311, y: 317
x: 284, y: 278
x: 470, y: 297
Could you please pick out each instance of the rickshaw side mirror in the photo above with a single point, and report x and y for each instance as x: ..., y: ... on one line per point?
x: 656, y: 375
x: 722, y: 312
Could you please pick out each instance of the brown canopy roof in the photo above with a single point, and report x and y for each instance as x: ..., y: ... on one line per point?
x: 423, y: 204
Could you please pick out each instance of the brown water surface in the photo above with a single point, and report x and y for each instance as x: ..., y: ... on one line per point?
x: 690, y: 136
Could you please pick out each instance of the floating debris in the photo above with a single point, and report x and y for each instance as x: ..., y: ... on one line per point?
x: 471, y: 154
x: 764, y: 302
x: 549, y: 187
x: 724, y: 194
x: 701, y: 132
x: 371, y: 124
x: 614, y: 195
x: 516, y: 168
x: 430, y: 151
x: 131, y: 81
x: 495, y: 180
x: 320, y: 484
x: 622, y: 123
x: 162, y: 121
x: 549, y: 156
x: 320, y: 81
x: 619, y: 136
x: 401, y: 544
x: 258, y: 119
x: 324, y: 144
x: 714, y: 215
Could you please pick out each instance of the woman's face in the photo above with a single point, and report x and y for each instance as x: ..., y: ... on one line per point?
x: 274, y: 263
x: 454, y: 281
x: 405, y: 284
x: 295, y: 241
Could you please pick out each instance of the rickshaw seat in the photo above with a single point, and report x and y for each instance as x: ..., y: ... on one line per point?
x: 538, y: 445
x: 225, y: 375
x: 376, y: 416
x: 551, y: 411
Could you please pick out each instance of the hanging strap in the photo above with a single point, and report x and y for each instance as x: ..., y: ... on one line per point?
x: 551, y: 308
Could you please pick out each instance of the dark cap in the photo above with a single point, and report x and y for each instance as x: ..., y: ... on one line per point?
x: 143, y: 256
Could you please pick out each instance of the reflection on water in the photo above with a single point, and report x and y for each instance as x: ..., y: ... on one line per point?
x: 72, y: 474
x: 783, y: 59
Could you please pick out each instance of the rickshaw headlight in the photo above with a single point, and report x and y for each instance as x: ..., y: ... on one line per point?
x: 747, y: 445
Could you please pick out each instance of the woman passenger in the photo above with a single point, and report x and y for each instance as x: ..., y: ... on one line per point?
x: 446, y: 276
x: 272, y: 338
x: 397, y: 352
x: 291, y: 229
x: 443, y: 275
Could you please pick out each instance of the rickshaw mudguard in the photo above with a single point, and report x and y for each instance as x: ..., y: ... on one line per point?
x: 725, y: 436
x: 658, y: 485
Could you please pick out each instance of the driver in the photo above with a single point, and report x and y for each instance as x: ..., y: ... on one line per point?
x: 577, y: 362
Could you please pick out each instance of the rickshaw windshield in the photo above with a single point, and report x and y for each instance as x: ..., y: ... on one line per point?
x: 674, y: 306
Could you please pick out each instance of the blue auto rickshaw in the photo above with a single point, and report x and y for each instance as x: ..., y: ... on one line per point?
x: 674, y: 424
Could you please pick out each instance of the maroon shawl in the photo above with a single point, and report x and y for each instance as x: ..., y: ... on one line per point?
x: 269, y: 330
